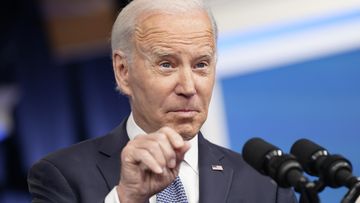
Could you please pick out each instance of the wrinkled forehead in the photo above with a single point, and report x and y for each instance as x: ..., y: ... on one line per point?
x: 190, y: 28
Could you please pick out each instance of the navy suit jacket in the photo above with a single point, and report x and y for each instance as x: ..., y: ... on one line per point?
x: 87, y: 171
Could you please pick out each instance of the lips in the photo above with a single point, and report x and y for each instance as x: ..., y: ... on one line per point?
x: 186, y: 109
x: 184, y: 112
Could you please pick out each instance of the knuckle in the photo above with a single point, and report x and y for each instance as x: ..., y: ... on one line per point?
x: 161, y: 136
x: 126, y: 154
x: 126, y: 159
x: 154, y: 146
x: 151, y: 150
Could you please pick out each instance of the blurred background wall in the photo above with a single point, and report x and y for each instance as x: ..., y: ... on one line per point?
x: 289, y: 70
x: 286, y: 70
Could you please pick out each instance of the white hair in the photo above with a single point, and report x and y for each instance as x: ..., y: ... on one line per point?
x: 124, y: 26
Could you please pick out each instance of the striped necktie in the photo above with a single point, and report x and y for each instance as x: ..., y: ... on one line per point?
x: 175, y: 192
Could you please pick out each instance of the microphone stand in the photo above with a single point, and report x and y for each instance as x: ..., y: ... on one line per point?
x: 308, y: 193
x: 352, y: 194
x: 309, y: 190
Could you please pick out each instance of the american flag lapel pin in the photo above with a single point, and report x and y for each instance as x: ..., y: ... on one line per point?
x: 217, y: 167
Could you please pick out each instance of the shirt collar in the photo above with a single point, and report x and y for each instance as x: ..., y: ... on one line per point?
x: 132, y: 128
x: 191, y: 156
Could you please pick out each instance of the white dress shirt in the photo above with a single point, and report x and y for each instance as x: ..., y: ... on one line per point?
x: 189, y: 168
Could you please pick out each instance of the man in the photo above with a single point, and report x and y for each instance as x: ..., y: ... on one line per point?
x: 164, y: 57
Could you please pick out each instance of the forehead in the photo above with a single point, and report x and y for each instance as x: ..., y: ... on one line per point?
x: 179, y: 29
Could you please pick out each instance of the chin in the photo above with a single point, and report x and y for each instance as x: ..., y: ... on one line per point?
x: 187, y: 132
x: 188, y: 136
x: 186, y: 127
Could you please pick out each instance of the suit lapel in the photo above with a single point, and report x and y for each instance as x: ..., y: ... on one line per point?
x: 214, y: 183
x: 110, y: 149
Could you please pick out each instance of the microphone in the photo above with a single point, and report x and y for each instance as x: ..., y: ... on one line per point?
x: 271, y: 161
x: 333, y: 170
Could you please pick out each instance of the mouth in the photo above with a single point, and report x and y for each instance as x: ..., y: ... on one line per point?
x: 185, y: 112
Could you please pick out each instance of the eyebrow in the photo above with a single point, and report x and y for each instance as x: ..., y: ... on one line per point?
x: 207, y: 55
x: 161, y: 52
x: 164, y: 52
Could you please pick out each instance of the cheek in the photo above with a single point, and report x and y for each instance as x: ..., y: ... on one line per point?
x: 153, y: 93
x: 206, y: 88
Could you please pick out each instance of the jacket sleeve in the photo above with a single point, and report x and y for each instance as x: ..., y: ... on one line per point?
x: 47, y: 184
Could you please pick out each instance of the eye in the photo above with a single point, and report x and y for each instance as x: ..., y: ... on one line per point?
x: 201, y: 65
x: 165, y: 65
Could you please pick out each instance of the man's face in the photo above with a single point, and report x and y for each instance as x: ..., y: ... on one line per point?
x: 171, y: 78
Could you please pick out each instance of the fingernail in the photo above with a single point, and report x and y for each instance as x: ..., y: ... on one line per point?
x: 159, y: 170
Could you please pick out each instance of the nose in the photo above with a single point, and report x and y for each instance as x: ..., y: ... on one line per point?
x: 186, y: 83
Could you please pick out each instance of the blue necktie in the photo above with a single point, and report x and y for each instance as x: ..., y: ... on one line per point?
x: 175, y: 192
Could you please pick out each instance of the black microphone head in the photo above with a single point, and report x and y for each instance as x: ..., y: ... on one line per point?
x: 334, y: 170
x: 270, y: 160
x: 307, y: 152
x: 255, y: 151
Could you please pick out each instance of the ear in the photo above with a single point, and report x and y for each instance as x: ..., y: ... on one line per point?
x: 121, y: 72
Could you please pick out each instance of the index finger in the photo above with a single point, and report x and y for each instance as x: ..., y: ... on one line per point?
x: 176, y: 140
